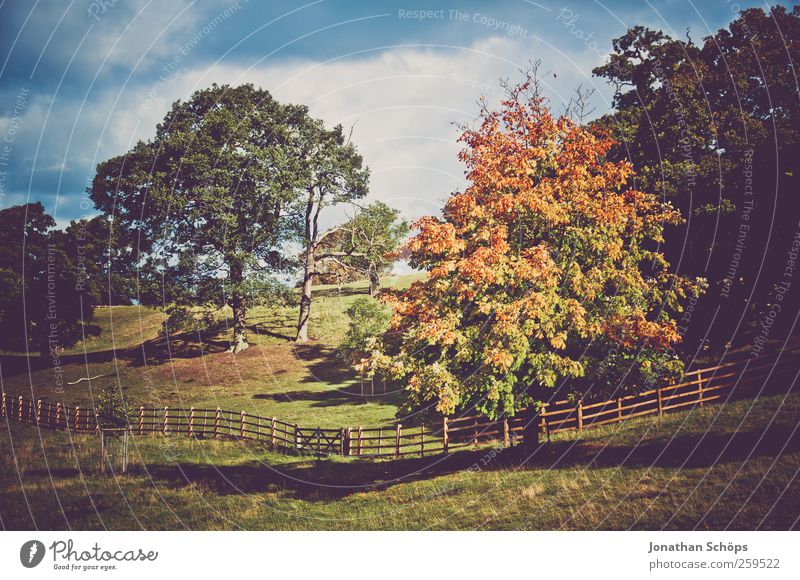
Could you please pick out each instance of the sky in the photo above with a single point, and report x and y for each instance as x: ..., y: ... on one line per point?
x: 82, y: 81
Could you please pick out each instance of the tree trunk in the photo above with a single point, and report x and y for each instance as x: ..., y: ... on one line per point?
x: 530, y: 433
x: 239, y: 324
x: 239, y: 310
x: 305, y: 297
x: 374, y: 282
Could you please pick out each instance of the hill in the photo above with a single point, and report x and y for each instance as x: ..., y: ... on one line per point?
x: 295, y: 382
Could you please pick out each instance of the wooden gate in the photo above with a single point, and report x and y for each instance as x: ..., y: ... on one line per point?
x: 319, y: 441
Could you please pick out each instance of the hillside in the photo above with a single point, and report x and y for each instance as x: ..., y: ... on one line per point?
x: 274, y: 377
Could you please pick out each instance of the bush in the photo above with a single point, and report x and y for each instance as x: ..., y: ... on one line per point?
x: 112, y: 408
x: 368, y: 320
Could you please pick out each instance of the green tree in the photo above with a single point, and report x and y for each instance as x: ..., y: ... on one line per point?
x: 332, y: 174
x: 368, y: 243
x: 112, y: 408
x: 369, y: 319
x: 714, y: 127
x: 44, y: 305
x: 107, y: 265
x: 209, y: 201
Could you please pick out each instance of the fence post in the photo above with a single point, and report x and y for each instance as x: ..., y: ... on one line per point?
x: 191, y: 421
x: 166, y: 416
x: 544, y: 427
x: 380, y: 440
x: 58, y: 417
x: 660, y: 401
x: 346, y: 441
x: 700, y: 388
x: 358, y: 444
x: 77, y: 418
x: 19, y: 410
x: 422, y: 440
x: 241, y: 426
x: 3, y: 406
x: 30, y: 413
x: 38, y: 411
x: 272, y: 433
x: 619, y: 409
x: 141, y: 420
x: 445, y: 436
x: 475, y: 431
x: 506, y: 433
x: 580, y: 414
x: 397, y: 440
x: 216, y: 422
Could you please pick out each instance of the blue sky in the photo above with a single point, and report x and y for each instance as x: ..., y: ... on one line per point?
x: 81, y: 81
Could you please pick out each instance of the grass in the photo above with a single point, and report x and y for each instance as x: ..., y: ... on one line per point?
x: 730, y: 466
x: 304, y: 383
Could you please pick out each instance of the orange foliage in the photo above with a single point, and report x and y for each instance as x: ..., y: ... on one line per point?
x: 543, y: 249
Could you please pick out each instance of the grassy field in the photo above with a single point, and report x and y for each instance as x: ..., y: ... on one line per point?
x: 731, y: 466
x: 275, y: 377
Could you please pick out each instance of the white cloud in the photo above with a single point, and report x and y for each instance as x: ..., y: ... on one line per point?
x: 403, y: 104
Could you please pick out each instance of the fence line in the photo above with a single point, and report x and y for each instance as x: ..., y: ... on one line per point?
x: 447, y: 434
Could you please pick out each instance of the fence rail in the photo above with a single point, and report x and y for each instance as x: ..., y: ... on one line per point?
x: 448, y: 434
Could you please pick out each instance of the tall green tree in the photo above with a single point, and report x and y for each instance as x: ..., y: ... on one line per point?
x: 106, y: 263
x: 333, y: 173
x: 713, y: 127
x: 45, y: 305
x: 209, y: 201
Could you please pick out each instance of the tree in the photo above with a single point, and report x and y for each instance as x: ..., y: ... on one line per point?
x: 714, y: 127
x: 44, y: 305
x: 544, y: 265
x: 207, y: 201
x: 107, y: 264
x: 369, y: 319
x: 333, y: 174
x: 368, y: 242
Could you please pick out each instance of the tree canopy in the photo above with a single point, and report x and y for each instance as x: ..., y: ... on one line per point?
x: 545, y: 266
x: 367, y: 243
x: 211, y: 201
x: 714, y: 128
x: 47, y: 303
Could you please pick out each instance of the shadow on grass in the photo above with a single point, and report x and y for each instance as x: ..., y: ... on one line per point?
x: 186, y: 345
x: 688, y: 450
x: 326, y: 478
x: 323, y: 364
x: 308, y: 479
x: 332, y: 397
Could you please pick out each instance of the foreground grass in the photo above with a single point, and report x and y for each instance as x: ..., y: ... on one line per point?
x: 305, y: 384
x: 730, y: 466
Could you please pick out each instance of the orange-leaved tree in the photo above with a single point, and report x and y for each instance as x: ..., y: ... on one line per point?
x: 544, y: 272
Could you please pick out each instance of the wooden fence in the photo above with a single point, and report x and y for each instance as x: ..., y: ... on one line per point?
x: 442, y: 436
